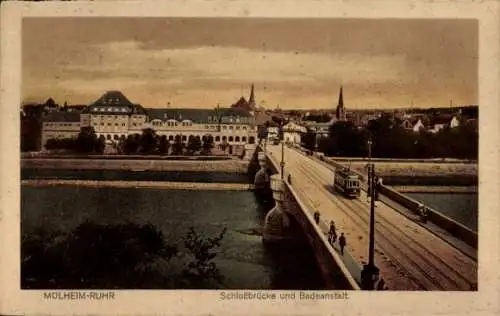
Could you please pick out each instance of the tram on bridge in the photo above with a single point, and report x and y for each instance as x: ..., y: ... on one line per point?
x: 347, y: 182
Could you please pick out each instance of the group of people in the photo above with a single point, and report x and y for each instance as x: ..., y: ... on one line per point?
x: 332, y: 237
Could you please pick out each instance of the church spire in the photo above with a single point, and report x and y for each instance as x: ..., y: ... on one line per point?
x: 340, y: 107
x: 251, y: 100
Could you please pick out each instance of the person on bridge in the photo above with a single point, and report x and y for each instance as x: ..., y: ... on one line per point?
x: 332, y: 234
x: 316, y: 217
x: 424, y: 213
x: 290, y: 178
x: 342, y: 243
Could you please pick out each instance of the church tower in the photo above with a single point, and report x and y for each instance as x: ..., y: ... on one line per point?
x: 251, y: 100
x: 340, y: 107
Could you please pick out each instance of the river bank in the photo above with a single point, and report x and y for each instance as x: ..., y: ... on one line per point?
x: 171, y: 185
x: 227, y: 165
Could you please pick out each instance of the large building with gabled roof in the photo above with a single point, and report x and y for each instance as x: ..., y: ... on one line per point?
x: 114, y: 117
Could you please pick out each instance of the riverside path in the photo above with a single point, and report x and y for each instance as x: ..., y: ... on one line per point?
x: 409, y: 256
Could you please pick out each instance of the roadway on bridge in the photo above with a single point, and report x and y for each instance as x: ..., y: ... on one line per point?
x: 409, y: 256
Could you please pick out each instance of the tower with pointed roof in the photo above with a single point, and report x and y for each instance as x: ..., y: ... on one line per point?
x: 340, y: 107
x: 251, y: 100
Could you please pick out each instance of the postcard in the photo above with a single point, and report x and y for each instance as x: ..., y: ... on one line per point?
x: 249, y: 157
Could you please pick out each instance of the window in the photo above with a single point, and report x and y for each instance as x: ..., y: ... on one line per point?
x: 230, y: 138
x: 123, y: 124
x: 244, y: 128
x: 237, y: 127
x: 237, y: 139
x: 217, y: 138
x: 109, y: 124
x: 231, y: 127
x: 224, y: 127
x: 244, y: 139
x: 102, y: 124
x: 108, y: 137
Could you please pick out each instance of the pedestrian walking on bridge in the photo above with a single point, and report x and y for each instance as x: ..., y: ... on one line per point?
x: 332, y: 233
x: 342, y: 243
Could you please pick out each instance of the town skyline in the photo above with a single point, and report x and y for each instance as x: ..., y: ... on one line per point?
x: 202, y: 62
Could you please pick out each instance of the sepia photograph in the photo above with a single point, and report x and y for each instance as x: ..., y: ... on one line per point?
x: 248, y: 155
x: 224, y: 153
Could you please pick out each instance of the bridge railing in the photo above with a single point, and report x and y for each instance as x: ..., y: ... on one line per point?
x: 349, y: 268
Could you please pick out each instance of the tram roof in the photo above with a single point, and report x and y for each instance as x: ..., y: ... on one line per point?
x: 346, y: 172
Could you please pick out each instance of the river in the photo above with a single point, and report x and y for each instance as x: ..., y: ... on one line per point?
x: 242, y: 259
x: 463, y: 207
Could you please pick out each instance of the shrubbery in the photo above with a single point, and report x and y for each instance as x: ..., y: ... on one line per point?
x: 123, y: 256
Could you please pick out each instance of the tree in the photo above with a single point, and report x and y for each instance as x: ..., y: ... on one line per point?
x: 208, y: 144
x: 345, y: 140
x: 148, y: 142
x: 309, y: 139
x: 194, y: 144
x: 201, y: 271
x: 87, y: 141
x: 131, y: 144
x: 163, y: 146
x: 94, y: 256
x: 178, y: 145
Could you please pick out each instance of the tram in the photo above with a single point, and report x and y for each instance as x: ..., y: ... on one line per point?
x: 347, y: 182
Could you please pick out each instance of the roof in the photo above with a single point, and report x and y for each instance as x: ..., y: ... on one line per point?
x: 196, y: 115
x: 114, y: 102
x: 62, y: 117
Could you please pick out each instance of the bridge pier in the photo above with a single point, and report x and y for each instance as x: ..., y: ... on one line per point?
x: 277, y: 226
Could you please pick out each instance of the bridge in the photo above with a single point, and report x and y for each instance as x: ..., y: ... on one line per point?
x: 410, y: 255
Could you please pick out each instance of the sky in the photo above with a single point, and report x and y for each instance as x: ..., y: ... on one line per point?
x: 293, y: 63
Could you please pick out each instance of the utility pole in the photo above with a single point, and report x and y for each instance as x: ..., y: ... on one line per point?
x: 370, y: 273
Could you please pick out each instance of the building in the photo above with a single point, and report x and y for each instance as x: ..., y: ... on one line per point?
x: 60, y: 125
x: 292, y: 132
x: 114, y: 117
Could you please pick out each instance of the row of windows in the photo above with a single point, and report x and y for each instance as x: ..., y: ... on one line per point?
x: 185, y: 138
x: 102, y: 117
x: 61, y: 124
x: 109, y: 124
x: 123, y: 110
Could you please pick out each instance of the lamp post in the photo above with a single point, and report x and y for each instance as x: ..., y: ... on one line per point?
x: 370, y: 273
x: 282, y: 163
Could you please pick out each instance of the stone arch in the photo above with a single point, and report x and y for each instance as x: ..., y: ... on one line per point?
x: 108, y: 137
x: 237, y: 139
x: 251, y: 140
x: 224, y: 138
x: 217, y: 138
x: 184, y: 138
x: 244, y: 139
x: 230, y: 138
x: 171, y: 137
